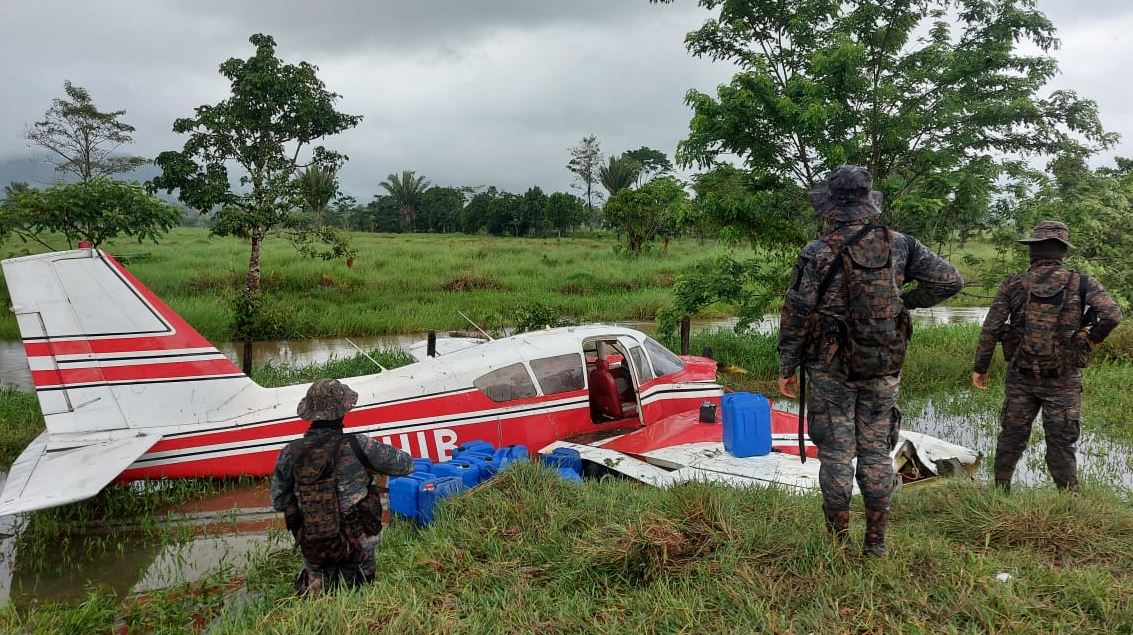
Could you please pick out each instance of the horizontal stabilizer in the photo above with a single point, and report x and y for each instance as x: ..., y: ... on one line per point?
x: 42, y: 478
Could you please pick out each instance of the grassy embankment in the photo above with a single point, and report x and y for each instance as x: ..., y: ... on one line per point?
x: 404, y: 283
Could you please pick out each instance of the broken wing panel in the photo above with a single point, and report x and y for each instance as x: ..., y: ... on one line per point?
x: 42, y: 478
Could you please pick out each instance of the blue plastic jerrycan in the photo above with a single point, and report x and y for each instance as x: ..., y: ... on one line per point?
x: 422, y: 465
x: 509, y: 454
x: 432, y: 492
x: 465, y: 470
x: 747, y: 424
x: 404, y: 492
x: 481, y: 447
x: 569, y: 475
x: 564, y: 458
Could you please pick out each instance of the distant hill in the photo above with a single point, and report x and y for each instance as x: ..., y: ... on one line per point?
x: 38, y: 173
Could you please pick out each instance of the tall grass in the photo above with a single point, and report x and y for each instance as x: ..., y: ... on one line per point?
x: 404, y: 283
x: 530, y: 553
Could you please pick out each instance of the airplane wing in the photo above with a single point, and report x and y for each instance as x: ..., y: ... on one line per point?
x: 43, y: 477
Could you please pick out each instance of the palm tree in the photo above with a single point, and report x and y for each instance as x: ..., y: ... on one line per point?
x: 406, y: 190
x: 620, y: 174
x: 317, y: 186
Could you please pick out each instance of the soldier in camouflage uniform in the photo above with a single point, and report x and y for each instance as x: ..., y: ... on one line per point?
x: 1047, y: 377
x: 845, y: 322
x: 358, y: 458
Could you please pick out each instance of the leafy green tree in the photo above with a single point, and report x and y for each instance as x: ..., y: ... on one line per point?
x: 564, y: 211
x: 651, y: 163
x: 586, y: 163
x: 933, y: 96
x: 1097, y: 206
x: 13, y: 191
x: 407, y: 189
x: 621, y: 173
x: 274, y: 113
x: 530, y: 219
x: 81, y: 139
x: 344, y: 211
x: 655, y: 209
x: 317, y: 185
x: 95, y: 210
x: 440, y: 209
x: 383, y: 214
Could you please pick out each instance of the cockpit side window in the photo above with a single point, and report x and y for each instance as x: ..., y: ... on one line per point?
x: 561, y: 373
x: 664, y: 361
x: 644, y: 372
x: 507, y: 383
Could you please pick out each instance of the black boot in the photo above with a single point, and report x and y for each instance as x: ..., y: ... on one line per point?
x: 838, y: 523
x: 875, y: 525
x: 1003, y: 481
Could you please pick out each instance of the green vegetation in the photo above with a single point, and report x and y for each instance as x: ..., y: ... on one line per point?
x: 530, y: 553
x: 403, y: 283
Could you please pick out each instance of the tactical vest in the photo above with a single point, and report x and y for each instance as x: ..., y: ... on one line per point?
x: 873, y: 332
x: 322, y: 536
x: 1042, y: 341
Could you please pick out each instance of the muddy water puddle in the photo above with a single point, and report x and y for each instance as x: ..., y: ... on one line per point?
x: 200, y: 540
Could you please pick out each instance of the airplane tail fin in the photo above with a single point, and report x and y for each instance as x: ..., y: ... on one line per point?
x: 106, y: 354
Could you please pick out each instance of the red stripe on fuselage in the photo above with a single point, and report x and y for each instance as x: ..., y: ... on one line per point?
x: 138, y: 372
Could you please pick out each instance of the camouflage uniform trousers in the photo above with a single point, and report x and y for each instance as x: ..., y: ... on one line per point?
x: 853, y: 418
x: 1060, y: 400
x: 314, y: 579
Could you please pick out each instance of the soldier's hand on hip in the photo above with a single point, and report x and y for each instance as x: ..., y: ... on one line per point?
x: 979, y: 380
x: 789, y: 387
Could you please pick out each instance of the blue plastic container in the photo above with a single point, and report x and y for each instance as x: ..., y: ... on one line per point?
x: 747, y: 424
x: 422, y: 465
x: 432, y: 492
x: 564, y: 457
x: 510, y: 454
x: 485, y: 462
x: 482, y: 447
x: 461, y: 468
x: 404, y: 492
x: 567, y: 474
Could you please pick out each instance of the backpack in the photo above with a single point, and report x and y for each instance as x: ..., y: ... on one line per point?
x: 1043, y: 336
x: 873, y: 334
x: 323, y: 537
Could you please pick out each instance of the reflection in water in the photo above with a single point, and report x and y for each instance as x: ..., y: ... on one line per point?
x: 1101, y: 460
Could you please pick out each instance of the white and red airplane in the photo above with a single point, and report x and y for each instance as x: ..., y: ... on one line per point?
x: 130, y: 391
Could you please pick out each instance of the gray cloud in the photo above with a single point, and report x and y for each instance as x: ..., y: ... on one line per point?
x: 465, y: 92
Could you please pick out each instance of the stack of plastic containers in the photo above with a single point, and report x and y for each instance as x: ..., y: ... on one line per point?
x: 747, y: 424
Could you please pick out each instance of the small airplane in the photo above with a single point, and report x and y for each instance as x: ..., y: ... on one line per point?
x: 129, y: 391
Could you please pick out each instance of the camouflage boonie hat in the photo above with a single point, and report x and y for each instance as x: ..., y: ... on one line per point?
x: 1049, y: 230
x: 846, y: 194
x: 326, y: 400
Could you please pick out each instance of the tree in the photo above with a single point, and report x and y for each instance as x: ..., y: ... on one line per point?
x: 932, y: 96
x: 274, y: 113
x: 586, y: 162
x: 621, y: 173
x: 440, y: 209
x: 81, y: 138
x: 13, y: 191
x: 95, y: 210
x: 655, y: 209
x: 564, y: 211
x: 317, y: 185
x: 407, y: 189
x: 530, y: 217
x: 651, y: 163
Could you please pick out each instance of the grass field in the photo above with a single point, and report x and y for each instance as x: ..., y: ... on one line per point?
x: 404, y: 283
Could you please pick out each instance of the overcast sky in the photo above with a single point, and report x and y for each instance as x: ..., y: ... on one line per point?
x: 465, y: 92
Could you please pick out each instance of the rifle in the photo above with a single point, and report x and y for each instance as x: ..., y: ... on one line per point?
x: 802, y: 412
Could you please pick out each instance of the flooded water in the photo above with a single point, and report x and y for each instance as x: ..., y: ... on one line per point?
x: 205, y: 539
x: 1101, y: 460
